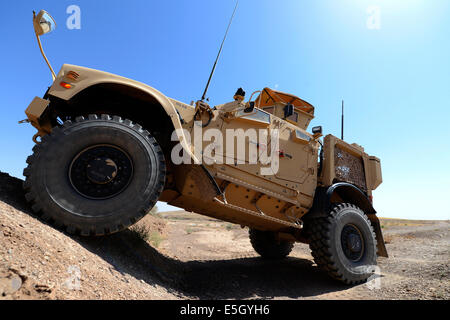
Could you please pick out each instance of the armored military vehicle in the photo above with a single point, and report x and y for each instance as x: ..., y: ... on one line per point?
x: 108, y: 148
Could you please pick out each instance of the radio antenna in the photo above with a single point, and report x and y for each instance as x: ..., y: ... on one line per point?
x: 342, y: 121
x: 220, y: 51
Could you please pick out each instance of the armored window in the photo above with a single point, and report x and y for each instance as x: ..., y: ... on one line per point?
x: 293, y: 117
x: 269, y: 109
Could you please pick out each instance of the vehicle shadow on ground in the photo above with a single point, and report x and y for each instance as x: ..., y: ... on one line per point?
x: 207, y: 279
x: 212, y: 279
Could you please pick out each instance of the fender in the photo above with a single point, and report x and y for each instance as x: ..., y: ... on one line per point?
x: 81, y: 78
x: 323, y: 200
x: 348, y: 191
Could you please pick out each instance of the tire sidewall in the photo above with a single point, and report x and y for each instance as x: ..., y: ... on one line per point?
x: 78, y: 210
x: 363, y: 267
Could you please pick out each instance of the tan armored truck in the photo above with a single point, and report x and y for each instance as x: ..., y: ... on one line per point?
x: 108, y: 148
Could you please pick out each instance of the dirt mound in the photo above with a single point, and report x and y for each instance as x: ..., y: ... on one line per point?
x: 40, y: 262
x: 11, y: 192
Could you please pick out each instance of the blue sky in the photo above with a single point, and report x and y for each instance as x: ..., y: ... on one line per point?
x: 395, y: 79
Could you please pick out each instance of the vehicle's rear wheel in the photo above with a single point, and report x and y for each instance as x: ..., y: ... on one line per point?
x: 95, y: 176
x: 268, y: 246
x: 343, y: 244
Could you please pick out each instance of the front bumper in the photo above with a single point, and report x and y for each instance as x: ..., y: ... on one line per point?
x: 35, y: 112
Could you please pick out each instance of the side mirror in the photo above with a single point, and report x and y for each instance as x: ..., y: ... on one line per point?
x: 288, y: 110
x: 43, y: 23
x: 317, y: 132
x: 317, y: 129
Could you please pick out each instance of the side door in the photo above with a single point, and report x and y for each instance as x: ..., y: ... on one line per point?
x: 246, y: 137
x: 298, y: 153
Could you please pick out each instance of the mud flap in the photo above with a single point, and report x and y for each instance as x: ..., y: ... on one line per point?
x: 381, y: 248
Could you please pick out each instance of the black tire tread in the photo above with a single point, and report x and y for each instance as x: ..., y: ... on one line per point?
x: 39, y: 207
x: 266, y: 246
x: 319, y: 234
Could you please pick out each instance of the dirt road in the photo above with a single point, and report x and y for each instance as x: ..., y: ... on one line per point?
x: 222, y: 263
x: 181, y: 255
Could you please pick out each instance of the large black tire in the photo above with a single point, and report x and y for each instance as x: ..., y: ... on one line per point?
x: 343, y: 244
x: 95, y: 176
x: 268, y: 246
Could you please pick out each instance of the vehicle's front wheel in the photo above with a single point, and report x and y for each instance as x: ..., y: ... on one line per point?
x: 268, y: 246
x: 95, y: 176
x: 343, y: 244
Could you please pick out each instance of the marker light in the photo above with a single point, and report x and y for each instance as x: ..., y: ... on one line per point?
x: 65, y: 85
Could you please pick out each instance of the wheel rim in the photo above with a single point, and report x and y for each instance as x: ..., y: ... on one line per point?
x: 100, y: 171
x: 352, y: 242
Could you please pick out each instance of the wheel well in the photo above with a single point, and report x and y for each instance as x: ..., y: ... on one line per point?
x: 121, y: 100
x: 338, y: 193
x: 345, y: 192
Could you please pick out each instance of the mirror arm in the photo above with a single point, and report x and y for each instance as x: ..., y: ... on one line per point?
x: 316, y: 136
x: 45, y: 58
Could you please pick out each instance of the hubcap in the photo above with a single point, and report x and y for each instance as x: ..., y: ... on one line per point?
x: 352, y: 242
x: 100, y: 172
